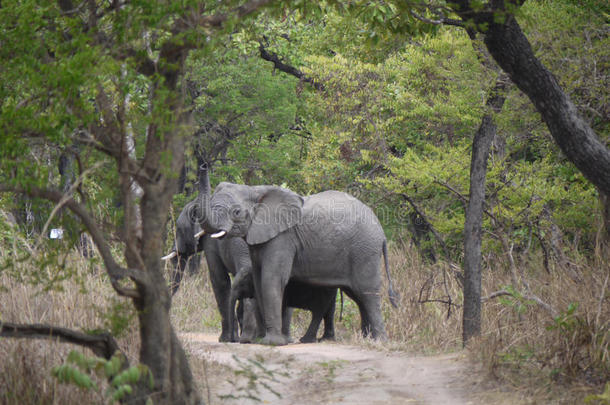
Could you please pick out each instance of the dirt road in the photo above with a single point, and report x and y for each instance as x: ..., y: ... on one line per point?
x: 327, y: 373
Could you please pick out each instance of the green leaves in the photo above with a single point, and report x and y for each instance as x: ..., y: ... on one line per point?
x: 76, y: 370
x: 79, y: 370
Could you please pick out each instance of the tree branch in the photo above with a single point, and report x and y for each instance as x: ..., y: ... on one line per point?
x: 103, y: 344
x: 464, y: 199
x: 419, y: 212
x: 113, y: 269
x: 291, y: 70
x: 217, y: 20
x: 442, y: 20
x: 495, y: 294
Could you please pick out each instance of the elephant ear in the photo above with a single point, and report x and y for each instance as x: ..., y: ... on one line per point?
x: 277, y: 210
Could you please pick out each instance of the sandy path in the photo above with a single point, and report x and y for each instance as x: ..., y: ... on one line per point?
x: 327, y: 373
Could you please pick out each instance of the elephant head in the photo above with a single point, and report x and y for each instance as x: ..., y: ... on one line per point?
x: 256, y: 213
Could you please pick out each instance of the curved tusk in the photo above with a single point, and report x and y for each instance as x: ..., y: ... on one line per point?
x: 169, y: 256
x: 199, y: 234
x: 219, y: 234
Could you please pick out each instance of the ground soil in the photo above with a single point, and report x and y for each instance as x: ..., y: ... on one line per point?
x: 332, y: 373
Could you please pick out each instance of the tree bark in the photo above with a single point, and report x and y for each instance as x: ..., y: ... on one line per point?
x: 481, y: 145
x: 512, y: 51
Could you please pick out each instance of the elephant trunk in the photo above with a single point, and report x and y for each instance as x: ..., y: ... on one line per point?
x: 232, y: 324
x: 204, y: 194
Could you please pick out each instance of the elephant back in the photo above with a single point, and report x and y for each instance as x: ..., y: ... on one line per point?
x: 339, y: 219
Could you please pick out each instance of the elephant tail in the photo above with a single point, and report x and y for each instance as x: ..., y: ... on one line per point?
x: 394, y: 296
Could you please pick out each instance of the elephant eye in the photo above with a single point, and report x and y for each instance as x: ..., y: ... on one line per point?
x: 236, y: 212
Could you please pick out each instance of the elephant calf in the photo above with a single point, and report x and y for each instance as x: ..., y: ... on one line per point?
x: 320, y: 301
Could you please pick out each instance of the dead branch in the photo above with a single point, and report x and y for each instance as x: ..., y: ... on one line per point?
x: 286, y: 68
x: 517, y: 281
x: 495, y: 294
x: 103, y: 344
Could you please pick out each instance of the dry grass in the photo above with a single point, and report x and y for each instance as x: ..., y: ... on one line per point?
x: 516, y: 349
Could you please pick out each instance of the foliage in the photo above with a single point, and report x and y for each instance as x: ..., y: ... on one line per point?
x: 78, y: 370
x: 242, y: 93
x: 603, y: 398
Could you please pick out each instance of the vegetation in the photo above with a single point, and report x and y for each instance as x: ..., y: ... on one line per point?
x: 380, y: 99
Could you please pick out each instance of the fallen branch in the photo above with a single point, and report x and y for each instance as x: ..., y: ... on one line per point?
x: 103, y: 344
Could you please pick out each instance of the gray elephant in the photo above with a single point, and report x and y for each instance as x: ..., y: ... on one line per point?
x: 320, y: 301
x: 189, y: 242
x: 329, y: 239
x: 224, y: 256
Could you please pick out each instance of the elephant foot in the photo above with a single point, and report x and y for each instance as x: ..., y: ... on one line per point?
x: 327, y: 338
x: 272, y: 339
x: 225, y: 337
x: 308, y: 339
x: 247, y: 339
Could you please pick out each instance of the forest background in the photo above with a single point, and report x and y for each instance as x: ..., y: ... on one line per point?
x: 315, y: 100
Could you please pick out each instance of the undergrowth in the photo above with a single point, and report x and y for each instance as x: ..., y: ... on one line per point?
x: 563, y: 358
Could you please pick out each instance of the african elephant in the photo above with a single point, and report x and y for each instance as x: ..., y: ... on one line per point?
x: 330, y: 239
x: 223, y: 256
x: 189, y: 242
x: 320, y: 301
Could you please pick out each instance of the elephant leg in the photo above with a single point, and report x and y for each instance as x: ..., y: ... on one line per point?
x: 286, y: 321
x: 260, y: 321
x: 329, y: 318
x: 178, y: 273
x: 249, y: 323
x: 221, y: 284
x: 365, y: 325
x: 193, y: 264
x: 367, y: 294
x: 312, y: 331
x: 274, y: 276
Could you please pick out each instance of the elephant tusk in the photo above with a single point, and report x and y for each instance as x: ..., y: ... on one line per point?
x: 199, y: 234
x: 219, y: 234
x: 169, y: 256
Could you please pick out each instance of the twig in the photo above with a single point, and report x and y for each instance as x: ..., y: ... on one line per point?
x: 419, y: 212
x: 602, y: 295
x: 441, y: 21
x: 528, y: 295
x: 64, y: 199
x: 114, y: 270
x: 464, y: 199
x: 495, y: 294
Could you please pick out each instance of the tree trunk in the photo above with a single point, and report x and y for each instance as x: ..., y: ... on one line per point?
x: 481, y: 145
x: 161, y: 350
x: 512, y: 51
